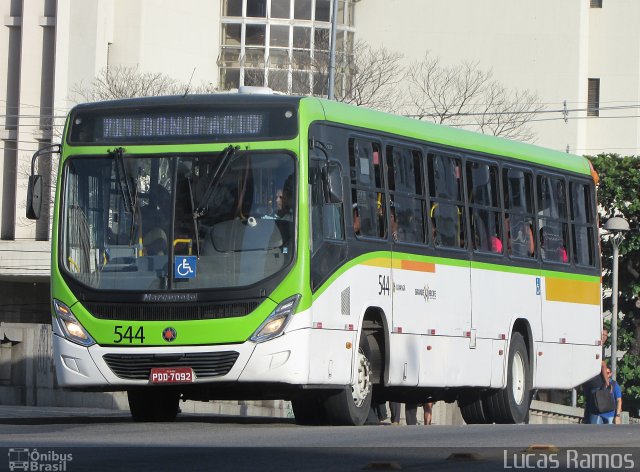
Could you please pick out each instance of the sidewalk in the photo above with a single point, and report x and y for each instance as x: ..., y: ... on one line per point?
x: 15, y: 412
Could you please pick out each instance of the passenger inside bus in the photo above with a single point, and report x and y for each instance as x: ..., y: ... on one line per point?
x: 356, y: 219
x: 155, y: 243
x: 393, y: 219
x: 284, y: 200
x: 552, y: 245
x: 447, y: 230
x: 520, y: 241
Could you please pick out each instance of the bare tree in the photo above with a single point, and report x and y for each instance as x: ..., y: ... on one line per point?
x: 466, y: 95
x: 507, y: 113
x: 365, y: 76
x: 128, y: 82
x: 370, y: 77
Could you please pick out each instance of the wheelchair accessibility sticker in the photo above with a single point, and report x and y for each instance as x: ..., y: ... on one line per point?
x: 184, y: 267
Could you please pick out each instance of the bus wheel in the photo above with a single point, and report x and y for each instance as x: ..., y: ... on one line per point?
x: 511, y: 404
x: 472, y: 408
x: 153, y: 404
x: 351, y: 405
x: 309, y: 410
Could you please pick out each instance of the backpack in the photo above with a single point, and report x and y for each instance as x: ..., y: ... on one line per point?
x: 603, y: 401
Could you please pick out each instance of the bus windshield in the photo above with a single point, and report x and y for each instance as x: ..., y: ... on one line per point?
x: 177, y: 222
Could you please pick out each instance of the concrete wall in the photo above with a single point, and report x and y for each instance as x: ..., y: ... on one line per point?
x: 164, y: 36
x: 614, y: 57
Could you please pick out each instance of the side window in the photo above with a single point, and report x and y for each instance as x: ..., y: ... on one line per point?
x: 407, y: 196
x: 484, y: 207
x: 552, y: 219
x: 446, y: 210
x: 327, y: 219
x: 367, y: 189
x: 582, y: 223
x: 327, y: 228
x: 519, y: 212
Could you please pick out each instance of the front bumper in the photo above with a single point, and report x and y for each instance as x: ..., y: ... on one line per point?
x: 284, y: 359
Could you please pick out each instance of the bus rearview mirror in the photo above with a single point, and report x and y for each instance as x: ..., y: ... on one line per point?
x: 34, y: 197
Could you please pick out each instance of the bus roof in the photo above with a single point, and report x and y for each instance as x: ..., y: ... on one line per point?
x: 188, y: 100
x: 363, y: 118
x: 457, y: 138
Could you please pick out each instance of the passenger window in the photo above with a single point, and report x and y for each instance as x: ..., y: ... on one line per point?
x: 583, y: 227
x: 484, y: 207
x: 552, y: 219
x: 446, y: 210
x: 406, y: 184
x: 519, y: 212
x: 368, y: 196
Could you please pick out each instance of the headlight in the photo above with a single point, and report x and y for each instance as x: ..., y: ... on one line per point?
x: 70, y: 326
x: 277, y: 321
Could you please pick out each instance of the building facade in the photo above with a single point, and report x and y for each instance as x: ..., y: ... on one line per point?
x: 581, y: 57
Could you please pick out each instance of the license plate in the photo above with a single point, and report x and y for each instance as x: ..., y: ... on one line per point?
x: 160, y: 375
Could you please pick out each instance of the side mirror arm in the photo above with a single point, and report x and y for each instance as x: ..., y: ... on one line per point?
x: 35, y: 190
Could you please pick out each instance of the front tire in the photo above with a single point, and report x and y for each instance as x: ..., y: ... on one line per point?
x: 153, y: 404
x: 511, y: 404
x: 350, y: 406
x: 308, y: 410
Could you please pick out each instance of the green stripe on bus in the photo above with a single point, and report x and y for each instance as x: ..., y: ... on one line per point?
x: 565, y: 275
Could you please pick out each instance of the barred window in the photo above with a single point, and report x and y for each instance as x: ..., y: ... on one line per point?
x: 593, y: 98
x: 283, y: 44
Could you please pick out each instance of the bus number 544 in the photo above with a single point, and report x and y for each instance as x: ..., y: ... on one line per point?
x: 383, y: 281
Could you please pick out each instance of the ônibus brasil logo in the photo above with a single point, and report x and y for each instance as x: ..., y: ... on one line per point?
x: 22, y: 458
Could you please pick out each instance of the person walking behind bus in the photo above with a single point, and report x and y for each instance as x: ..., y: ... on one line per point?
x: 411, y: 412
x: 428, y: 412
x: 595, y: 383
x: 613, y: 416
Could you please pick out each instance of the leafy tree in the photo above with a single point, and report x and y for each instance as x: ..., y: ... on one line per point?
x: 618, y: 196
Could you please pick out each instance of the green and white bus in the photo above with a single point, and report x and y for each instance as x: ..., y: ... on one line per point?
x: 256, y: 246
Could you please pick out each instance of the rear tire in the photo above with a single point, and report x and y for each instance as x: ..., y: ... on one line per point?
x: 153, y: 404
x: 511, y: 404
x: 350, y: 406
x: 472, y: 408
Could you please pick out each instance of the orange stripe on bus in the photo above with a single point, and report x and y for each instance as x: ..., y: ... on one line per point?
x: 379, y: 262
x: 388, y: 263
x: 418, y: 266
x: 572, y: 291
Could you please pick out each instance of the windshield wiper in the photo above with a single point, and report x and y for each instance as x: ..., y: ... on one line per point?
x: 196, y: 228
x: 123, y: 179
x: 128, y: 196
x: 202, y: 208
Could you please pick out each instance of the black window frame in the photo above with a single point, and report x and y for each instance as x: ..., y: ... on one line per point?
x: 590, y: 226
x: 561, y: 220
x: 473, y: 206
x: 433, y: 199
x: 530, y: 214
x: 418, y: 155
x: 359, y: 188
